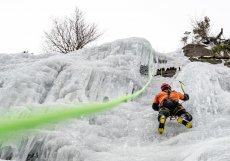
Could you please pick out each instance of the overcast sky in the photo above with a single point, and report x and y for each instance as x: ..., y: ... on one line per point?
x: 162, y: 22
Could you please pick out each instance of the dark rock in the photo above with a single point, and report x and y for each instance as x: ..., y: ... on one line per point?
x: 208, y: 60
x: 227, y: 63
x: 169, y: 72
x: 199, y: 52
x: 144, y: 69
x: 194, y: 50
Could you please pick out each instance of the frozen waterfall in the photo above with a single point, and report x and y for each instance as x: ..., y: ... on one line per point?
x: 127, y: 132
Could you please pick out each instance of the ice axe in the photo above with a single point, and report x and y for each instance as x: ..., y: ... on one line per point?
x: 181, y: 86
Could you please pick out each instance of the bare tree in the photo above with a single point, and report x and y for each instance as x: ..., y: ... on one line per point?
x: 70, y: 34
x: 201, y: 29
x: 201, y: 33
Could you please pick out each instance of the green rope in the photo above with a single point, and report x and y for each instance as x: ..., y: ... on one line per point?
x: 9, y: 128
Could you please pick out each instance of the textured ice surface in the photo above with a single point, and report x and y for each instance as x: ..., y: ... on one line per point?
x: 107, y: 71
x: 127, y: 132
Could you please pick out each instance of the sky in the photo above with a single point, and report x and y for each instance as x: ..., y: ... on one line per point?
x: 161, y: 22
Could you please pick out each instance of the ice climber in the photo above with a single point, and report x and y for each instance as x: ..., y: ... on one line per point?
x: 167, y: 103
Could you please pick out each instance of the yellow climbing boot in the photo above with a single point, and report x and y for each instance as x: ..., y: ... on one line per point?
x: 184, y: 122
x: 161, y: 124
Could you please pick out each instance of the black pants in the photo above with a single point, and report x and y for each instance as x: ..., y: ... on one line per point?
x: 173, y: 109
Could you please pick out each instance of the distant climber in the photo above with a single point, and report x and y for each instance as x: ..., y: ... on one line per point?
x: 167, y: 103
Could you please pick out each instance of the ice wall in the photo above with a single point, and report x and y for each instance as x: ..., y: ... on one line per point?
x: 209, y: 89
x: 95, y: 74
x: 129, y: 131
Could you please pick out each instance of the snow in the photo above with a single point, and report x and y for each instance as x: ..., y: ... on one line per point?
x: 127, y: 132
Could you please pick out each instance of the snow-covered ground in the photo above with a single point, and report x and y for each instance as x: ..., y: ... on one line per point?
x: 127, y: 132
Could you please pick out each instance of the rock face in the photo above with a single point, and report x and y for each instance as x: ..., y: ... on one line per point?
x: 199, y: 52
x: 168, y: 72
x: 192, y: 50
x: 206, y: 59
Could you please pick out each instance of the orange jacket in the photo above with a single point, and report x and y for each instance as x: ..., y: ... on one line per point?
x: 174, y: 95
